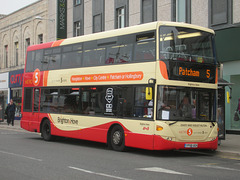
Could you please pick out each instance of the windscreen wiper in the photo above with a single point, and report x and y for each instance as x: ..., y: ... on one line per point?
x: 173, y: 123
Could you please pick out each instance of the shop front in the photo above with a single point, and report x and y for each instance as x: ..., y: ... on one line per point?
x: 4, y: 94
x: 232, y: 74
x: 15, y: 85
x: 227, y: 43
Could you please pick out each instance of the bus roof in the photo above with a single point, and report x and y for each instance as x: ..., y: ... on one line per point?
x: 116, y: 32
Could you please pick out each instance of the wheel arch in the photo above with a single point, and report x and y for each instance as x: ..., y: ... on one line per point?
x: 110, y: 129
x: 44, y: 119
x: 109, y: 144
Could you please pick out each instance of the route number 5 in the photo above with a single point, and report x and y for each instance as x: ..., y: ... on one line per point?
x: 36, y: 77
x: 208, y: 73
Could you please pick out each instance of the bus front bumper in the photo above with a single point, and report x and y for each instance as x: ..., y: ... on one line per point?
x: 163, y: 144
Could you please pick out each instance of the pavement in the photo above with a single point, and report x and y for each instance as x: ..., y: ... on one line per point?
x: 228, y: 148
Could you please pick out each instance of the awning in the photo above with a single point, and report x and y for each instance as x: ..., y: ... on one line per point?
x: 223, y: 82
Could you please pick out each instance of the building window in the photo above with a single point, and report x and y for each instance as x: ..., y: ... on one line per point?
x: 97, y: 23
x: 182, y: 11
x: 121, y: 17
x: 149, y: 11
x: 40, y: 38
x: 98, y: 11
x: 77, y: 28
x: 16, y: 53
x: 27, y: 43
x: 6, y: 55
x: 121, y: 13
x: 77, y: 2
x: 221, y: 12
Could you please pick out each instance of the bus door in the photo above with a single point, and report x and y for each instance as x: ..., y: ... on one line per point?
x: 36, y: 107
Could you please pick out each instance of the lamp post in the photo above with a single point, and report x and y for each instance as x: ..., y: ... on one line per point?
x: 52, y: 20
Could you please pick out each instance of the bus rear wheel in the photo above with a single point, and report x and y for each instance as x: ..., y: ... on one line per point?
x: 117, y: 138
x: 46, y: 131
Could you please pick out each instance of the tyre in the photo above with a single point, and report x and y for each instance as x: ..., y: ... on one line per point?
x: 46, y: 131
x: 117, y: 138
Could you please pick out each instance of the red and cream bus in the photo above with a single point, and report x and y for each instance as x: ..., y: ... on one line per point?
x: 150, y: 86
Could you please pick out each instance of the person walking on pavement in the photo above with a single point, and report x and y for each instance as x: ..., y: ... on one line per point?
x: 10, y: 112
x: 239, y: 105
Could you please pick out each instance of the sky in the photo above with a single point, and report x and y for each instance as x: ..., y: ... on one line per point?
x: 9, y: 6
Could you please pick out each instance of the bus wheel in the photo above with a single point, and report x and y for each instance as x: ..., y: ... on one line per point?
x: 117, y: 138
x: 46, y: 131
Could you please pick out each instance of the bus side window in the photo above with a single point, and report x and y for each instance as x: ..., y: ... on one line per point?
x: 93, y: 55
x: 30, y: 61
x: 69, y: 100
x: 71, y: 57
x: 38, y: 59
x: 49, y: 100
x: 119, y: 54
x: 46, y: 59
x: 28, y: 93
x: 142, y: 107
x: 55, y: 59
x: 145, y: 51
x: 111, y: 55
x: 145, y: 45
x: 121, y: 51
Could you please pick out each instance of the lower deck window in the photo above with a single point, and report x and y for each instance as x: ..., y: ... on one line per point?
x: 119, y: 101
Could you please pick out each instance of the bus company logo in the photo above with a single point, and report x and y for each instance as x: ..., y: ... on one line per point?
x: 63, y: 120
x: 28, y: 82
x: 189, y: 132
x: 109, y: 97
x: 146, y: 128
x: 36, y: 77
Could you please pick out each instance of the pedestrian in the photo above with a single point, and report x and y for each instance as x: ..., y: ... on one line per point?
x: 10, y: 112
x: 239, y: 105
x: 237, y: 112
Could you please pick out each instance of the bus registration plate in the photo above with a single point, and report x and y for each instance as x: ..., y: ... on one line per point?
x: 191, y: 145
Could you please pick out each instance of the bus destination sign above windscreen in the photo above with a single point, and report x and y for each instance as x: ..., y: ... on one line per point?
x: 189, y: 71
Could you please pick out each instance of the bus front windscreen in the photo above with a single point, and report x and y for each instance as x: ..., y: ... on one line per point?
x: 185, y: 44
x: 186, y: 104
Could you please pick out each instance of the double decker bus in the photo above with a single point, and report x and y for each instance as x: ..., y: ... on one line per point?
x: 151, y: 86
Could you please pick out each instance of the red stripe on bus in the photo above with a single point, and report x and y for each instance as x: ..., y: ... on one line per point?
x: 39, y: 46
x: 57, y: 43
x: 45, y: 78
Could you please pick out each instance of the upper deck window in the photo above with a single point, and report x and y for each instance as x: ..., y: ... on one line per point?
x: 130, y: 48
x: 185, y: 44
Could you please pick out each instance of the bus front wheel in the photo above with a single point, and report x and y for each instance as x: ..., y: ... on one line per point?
x: 46, y: 131
x: 117, y: 138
